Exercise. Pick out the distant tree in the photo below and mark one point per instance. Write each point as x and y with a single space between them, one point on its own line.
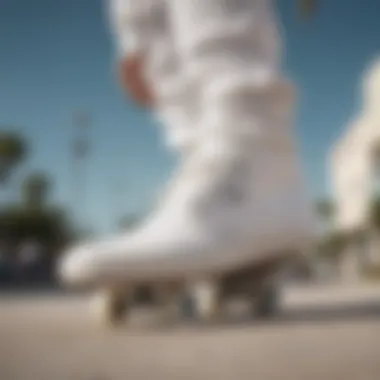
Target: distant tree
35 190
375 214
12 151
49 226
333 245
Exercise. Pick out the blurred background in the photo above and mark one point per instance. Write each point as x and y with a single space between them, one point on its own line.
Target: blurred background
79 160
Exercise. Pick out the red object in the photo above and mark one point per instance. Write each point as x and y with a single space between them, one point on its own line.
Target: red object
133 81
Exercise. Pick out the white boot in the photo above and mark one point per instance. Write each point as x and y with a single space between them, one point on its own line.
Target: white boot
239 197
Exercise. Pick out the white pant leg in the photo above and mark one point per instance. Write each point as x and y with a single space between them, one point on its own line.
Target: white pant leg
232 49
142 27
224 37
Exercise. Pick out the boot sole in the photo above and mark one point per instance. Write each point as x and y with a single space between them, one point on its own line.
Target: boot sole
201 299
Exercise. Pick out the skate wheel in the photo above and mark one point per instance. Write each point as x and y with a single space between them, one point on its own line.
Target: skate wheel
266 302
166 301
204 303
111 307
208 313
187 308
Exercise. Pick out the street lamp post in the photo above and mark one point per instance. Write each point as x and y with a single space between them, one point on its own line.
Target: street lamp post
80 150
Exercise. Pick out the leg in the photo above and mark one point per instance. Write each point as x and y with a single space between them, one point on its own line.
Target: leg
239 197
220 39
142 29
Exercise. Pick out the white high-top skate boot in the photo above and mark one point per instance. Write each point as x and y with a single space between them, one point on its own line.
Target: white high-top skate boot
239 199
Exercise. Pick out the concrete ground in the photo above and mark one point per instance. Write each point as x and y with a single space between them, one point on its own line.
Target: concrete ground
322 333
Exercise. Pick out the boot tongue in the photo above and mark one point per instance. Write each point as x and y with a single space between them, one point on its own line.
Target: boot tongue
226 140
219 150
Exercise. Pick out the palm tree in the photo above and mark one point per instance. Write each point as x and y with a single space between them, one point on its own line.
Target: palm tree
35 190
332 242
333 245
12 152
374 223
375 214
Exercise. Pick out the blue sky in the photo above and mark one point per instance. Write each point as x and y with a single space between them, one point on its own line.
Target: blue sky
56 56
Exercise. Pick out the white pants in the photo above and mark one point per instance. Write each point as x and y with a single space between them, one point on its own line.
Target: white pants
200 53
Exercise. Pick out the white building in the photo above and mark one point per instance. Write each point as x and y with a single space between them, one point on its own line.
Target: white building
355 159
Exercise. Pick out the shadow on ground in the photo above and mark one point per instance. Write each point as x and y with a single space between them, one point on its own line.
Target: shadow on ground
314 315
